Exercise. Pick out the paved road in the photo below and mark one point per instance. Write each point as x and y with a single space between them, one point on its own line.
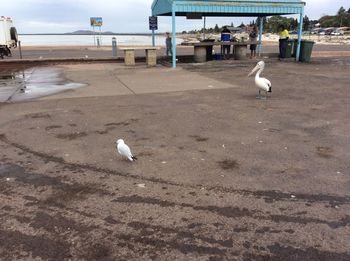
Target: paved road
220 176
106 52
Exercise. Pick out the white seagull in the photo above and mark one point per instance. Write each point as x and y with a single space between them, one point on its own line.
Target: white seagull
262 83
124 150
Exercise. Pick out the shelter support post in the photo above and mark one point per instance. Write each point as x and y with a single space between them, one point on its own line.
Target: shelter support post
261 28
204 28
299 35
153 39
174 35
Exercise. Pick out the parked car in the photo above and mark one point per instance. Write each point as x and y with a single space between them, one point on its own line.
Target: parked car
338 32
328 32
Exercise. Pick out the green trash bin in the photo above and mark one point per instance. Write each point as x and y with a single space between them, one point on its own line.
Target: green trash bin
306 50
295 45
289 48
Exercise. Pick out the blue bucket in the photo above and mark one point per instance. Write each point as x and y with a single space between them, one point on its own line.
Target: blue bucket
218 56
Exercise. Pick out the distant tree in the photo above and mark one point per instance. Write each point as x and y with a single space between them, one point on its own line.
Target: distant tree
184 32
274 22
341 10
216 29
340 16
264 21
341 19
242 25
306 23
313 23
266 25
328 21
348 11
294 24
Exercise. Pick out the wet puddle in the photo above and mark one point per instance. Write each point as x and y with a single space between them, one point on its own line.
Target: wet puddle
34 83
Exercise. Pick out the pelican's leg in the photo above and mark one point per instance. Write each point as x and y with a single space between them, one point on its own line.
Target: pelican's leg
264 97
259 95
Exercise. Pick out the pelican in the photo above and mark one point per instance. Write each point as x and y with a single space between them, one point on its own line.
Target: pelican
262 83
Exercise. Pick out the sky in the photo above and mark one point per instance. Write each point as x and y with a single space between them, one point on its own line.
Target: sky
120 16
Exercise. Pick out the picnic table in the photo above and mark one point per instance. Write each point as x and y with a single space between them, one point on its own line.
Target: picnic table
203 50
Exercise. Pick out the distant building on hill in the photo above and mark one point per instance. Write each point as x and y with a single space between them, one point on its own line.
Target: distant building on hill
235 30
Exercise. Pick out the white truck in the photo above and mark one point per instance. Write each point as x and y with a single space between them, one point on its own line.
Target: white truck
8 36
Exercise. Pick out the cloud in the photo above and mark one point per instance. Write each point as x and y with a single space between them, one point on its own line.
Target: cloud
38 16
317 8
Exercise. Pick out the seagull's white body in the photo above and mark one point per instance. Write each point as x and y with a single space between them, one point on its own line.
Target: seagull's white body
262 83
124 150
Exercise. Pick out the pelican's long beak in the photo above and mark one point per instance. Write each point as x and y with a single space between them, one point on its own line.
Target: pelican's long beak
254 70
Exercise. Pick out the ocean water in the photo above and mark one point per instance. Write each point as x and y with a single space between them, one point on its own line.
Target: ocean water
88 40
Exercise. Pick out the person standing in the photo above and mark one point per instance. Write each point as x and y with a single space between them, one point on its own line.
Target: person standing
226 38
168 45
253 37
284 36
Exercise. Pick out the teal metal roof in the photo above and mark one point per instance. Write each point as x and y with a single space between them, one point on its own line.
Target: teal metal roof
227 7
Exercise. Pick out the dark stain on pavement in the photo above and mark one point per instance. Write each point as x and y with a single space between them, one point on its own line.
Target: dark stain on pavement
236 212
264 194
19 174
51 127
275 195
97 251
5 189
38 116
199 138
72 192
71 136
62 194
160 245
228 164
288 253
180 234
240 229
111 220
57 223
38 245
324 152
122 123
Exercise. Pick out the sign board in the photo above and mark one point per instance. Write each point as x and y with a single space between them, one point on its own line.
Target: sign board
96 21
153 23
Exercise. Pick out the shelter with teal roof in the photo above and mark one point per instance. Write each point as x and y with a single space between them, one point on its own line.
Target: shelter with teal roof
228 8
